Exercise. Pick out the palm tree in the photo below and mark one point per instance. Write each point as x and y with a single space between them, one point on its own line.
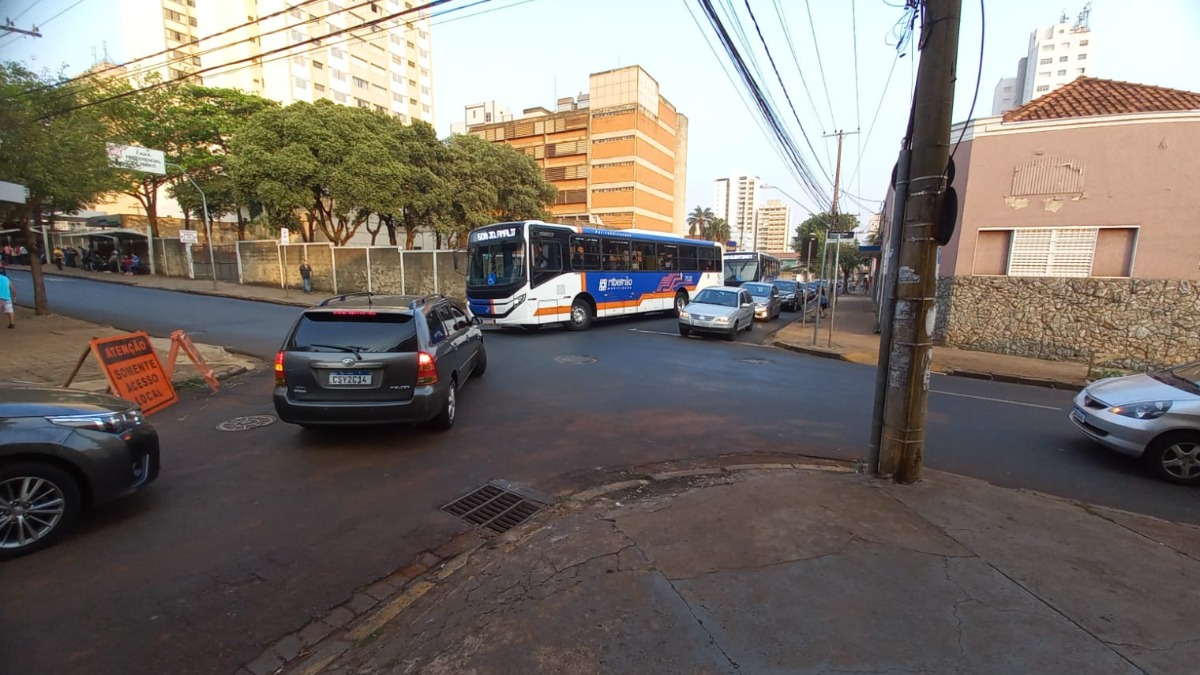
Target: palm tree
699 219
717 230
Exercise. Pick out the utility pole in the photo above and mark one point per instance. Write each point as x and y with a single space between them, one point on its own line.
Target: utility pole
837 251
902 442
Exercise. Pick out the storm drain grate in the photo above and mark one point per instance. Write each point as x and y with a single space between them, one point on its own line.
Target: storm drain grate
246 423
493 507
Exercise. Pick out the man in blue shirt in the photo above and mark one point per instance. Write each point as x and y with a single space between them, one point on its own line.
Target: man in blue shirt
7 296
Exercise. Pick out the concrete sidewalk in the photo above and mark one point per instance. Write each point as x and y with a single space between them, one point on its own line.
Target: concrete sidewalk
45 349
854 340
777 569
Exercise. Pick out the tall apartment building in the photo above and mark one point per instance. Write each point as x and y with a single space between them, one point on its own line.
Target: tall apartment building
772 225
736 199
1057 55
386 66
617 154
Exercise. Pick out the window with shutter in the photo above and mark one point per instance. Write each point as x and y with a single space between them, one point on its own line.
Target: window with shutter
1052 252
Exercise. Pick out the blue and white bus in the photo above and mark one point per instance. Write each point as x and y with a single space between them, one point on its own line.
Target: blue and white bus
531 273
750 266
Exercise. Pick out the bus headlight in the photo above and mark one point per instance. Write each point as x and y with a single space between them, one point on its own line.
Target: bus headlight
519 299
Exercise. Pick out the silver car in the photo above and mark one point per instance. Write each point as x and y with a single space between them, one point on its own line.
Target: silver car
1155 416
719 309
767 301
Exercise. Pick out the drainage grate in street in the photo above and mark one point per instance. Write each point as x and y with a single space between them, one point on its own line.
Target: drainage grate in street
246 423
575 360
493 507
757 362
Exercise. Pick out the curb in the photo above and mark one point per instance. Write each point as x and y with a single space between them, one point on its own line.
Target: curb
1046 383
192 291
356 622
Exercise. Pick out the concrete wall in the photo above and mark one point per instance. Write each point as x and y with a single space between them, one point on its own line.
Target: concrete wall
260 262
1132 172
1128 323
170 258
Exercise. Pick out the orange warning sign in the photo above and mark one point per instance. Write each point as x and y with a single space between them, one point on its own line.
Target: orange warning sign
134 371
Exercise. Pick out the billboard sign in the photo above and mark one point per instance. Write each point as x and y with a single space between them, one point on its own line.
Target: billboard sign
136 158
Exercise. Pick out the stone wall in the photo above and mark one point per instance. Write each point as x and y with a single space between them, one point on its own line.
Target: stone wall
1136 324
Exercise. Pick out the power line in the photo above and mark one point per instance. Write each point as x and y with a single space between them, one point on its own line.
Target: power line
781 85
875 117
43 23
857 110
975 96
258 57
817 48
31 6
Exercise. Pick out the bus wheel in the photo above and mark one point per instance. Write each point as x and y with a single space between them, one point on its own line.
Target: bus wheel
581 315
681 301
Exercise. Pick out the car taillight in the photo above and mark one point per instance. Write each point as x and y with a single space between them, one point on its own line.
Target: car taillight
426 369
280 378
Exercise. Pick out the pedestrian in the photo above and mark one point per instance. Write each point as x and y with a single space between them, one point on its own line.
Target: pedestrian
306 276
22 255
58 257
824 301
8 295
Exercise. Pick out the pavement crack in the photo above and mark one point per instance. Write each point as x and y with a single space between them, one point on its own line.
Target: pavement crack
1093 511
839 551
711 638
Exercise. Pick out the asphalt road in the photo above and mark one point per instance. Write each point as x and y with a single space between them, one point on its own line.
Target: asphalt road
246 535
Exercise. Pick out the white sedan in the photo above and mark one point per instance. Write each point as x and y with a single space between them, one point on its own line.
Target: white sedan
722 310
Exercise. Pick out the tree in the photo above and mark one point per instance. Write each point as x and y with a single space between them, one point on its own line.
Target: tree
56 152
849 258
817 225
699 219
716 230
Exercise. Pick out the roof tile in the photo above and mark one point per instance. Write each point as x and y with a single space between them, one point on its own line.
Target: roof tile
1090 96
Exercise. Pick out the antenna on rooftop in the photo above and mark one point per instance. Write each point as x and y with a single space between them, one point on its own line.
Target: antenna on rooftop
1082 21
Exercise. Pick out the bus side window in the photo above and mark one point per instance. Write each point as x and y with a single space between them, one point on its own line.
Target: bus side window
644 257
687 259
668 256
585 253
616 255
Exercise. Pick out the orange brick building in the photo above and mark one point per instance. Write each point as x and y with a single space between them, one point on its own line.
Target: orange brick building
617 154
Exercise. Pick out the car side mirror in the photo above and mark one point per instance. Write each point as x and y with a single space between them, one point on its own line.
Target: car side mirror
747 304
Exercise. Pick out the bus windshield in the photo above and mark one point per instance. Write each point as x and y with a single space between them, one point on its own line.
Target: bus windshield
498 263
737 271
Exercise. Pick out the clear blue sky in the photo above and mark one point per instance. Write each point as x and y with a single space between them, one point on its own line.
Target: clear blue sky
529 51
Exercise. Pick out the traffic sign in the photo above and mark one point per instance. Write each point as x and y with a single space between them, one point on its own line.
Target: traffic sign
134 372
189 237
136 158
840 236
285 236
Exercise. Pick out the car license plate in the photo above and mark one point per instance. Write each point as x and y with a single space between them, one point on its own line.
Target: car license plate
1077 415
349 377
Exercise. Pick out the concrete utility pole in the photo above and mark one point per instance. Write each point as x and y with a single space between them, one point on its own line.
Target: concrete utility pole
833 222
902 443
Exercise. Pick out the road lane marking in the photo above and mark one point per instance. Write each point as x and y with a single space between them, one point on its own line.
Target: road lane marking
655 332
996 400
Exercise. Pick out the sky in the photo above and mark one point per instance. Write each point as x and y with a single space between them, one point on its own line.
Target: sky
526 53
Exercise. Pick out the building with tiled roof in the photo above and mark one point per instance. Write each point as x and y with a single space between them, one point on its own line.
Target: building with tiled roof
1078 227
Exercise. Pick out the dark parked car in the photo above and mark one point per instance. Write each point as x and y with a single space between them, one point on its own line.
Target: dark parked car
62 450
790 294
373 359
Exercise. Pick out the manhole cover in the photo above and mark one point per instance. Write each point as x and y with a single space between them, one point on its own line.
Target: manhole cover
493 507
575 360
757 362
245 423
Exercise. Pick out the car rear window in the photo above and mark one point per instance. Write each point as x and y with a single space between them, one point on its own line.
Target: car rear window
352 330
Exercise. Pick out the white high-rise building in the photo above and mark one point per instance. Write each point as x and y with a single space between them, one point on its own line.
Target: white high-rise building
486 112
736 200
307 52
771 233
1057 55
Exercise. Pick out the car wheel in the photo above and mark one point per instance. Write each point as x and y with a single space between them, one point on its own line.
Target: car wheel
750 325
480 362
38 503
445 418
581 315
684 330
681 301
1175 457
732 332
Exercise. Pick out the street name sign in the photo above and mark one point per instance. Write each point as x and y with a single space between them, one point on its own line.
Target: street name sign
840 236
189 237
136 158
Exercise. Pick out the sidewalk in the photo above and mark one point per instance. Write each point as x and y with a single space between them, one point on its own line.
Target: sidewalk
45 349
854 340
775 569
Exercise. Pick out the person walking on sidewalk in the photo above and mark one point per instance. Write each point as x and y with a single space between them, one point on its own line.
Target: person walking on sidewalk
306 276
8 295
57 255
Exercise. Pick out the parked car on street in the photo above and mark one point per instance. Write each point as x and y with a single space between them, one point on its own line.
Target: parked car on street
1154 416
723 310
372 359
767 304
790 294
64 450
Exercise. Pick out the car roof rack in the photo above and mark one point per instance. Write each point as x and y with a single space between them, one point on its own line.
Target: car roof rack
425 300
344 296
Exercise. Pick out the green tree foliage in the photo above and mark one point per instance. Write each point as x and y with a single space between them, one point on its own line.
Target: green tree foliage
58 158
716 230
698 220
817 225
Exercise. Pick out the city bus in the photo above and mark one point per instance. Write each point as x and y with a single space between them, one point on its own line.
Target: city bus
531 273
750 266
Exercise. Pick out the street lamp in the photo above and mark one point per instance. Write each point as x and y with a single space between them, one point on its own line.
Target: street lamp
212 261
